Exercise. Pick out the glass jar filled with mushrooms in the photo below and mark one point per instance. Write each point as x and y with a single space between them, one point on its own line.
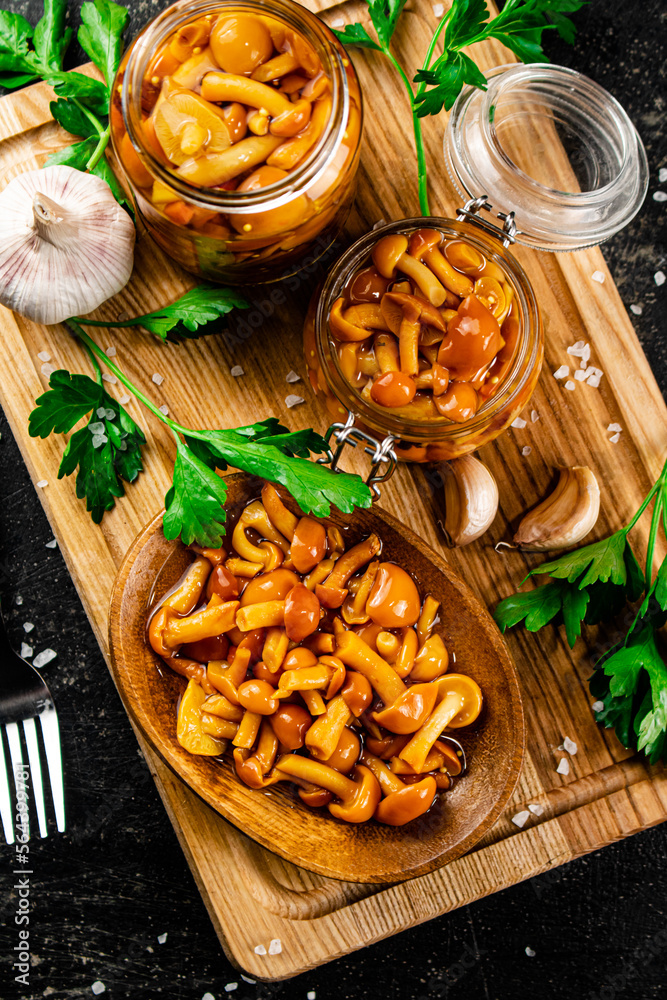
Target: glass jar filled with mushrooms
238 126
426 330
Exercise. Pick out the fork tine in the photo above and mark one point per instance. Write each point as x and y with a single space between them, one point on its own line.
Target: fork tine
5 798
36 773
16 755
51 734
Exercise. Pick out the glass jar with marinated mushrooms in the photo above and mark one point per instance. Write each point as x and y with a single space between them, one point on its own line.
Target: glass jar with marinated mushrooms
237 126
426 330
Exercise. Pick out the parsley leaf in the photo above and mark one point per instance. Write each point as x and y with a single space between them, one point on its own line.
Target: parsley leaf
624 668
51 37
384 15
15 36
603 560
72 118
195 503
448 77
195 314
76 156
535 608
100 35
84 88
105 451
356 34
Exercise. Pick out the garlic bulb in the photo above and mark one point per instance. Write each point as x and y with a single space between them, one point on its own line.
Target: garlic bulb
66 245
565 516
471 499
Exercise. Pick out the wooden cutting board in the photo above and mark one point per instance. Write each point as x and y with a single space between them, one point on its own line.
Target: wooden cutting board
609 793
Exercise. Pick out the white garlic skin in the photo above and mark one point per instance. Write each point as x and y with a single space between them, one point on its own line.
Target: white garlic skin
66 245
564 517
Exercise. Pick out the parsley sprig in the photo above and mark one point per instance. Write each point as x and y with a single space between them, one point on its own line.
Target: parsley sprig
82 103
440 80
592 585
106 451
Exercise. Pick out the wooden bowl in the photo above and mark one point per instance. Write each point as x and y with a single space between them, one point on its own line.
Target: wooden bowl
277 818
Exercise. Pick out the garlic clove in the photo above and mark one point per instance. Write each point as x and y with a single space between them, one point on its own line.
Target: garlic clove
564 517
471 499
66 245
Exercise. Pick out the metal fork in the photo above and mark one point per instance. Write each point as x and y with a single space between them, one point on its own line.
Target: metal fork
25 697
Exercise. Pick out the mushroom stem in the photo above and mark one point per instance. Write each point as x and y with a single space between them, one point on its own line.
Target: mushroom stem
388 781
416 752
318 774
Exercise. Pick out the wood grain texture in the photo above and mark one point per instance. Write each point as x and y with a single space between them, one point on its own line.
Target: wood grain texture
368 852
608 794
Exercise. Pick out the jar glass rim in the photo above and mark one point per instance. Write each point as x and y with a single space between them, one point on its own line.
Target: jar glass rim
319 157
381 419
605 148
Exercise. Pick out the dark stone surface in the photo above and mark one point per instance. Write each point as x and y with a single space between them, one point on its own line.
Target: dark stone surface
103 892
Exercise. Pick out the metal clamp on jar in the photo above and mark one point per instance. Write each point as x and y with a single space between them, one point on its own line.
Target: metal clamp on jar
428 330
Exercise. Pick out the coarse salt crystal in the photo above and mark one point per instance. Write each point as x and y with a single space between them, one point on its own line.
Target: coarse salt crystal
563 767
293 400
26 650
570 746
236 371
662 174
636 309
534 416
157 378
28 626
111 352
580 375
53 544
597 276
230 987
275 947
615 438
536 808
122 317
585 356
260 949
520 818
162 938
292 377
44 657
247 979
562 372
570 385
530 952
98 987
100 411
164 409
41 483
99 440
659 278
47 370
526 451
660 196
208 996
576 349
379 224
614 427
311 994
438 9
124 399
598 706
338 22
594 380
110 378
519 423
44 356
18 599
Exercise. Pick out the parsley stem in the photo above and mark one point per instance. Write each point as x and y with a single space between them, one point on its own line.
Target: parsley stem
95 363
99 149
93 119
419 139
658 485
653 534
95 349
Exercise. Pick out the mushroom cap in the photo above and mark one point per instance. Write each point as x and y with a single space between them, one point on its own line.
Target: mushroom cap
410 710
387 253
394 600
397 306
424 240
363 802
466 688
408 803
90 254
342 327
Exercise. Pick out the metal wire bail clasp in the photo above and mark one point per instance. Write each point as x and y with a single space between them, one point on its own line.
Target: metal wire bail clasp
470 213
382 452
